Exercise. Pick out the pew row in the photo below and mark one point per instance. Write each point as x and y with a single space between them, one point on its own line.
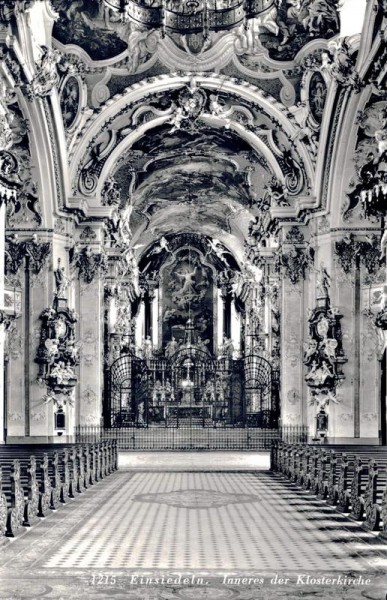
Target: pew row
37 479
351 478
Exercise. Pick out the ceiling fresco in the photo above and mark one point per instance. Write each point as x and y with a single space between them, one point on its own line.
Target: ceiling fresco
206 181
206 140
83 23
107 28
210 158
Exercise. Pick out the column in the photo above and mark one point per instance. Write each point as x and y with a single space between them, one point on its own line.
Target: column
38 297
91 321
235 329
140 325
2 327
155 319
227 315
220 324
292 322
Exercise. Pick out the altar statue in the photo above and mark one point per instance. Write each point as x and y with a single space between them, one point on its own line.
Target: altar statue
147 348
228 348
156 394
210 392
202 345
169 393
219 391
171 347
140 413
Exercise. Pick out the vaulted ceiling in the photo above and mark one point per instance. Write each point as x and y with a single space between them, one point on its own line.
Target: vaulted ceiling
192 157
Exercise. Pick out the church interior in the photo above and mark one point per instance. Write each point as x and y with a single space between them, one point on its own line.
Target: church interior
193 299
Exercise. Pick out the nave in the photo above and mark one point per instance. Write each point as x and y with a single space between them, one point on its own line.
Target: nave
212 527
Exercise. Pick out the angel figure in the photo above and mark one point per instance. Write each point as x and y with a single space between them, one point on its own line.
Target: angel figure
58 372
123 223
49 397
219 110
178 119
52 347
188 279
310 349
339 63
275 193
329 346
328 396
163 245
215 246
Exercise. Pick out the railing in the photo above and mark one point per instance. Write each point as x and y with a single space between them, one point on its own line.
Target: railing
236 438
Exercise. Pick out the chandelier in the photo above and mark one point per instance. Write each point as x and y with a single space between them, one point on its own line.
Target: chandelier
189 16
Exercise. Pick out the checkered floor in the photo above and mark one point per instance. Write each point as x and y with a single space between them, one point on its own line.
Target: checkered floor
232 521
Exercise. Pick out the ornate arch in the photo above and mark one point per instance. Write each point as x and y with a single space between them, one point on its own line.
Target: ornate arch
144 90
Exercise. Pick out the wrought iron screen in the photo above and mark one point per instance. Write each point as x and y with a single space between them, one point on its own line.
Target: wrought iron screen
190 389
258 397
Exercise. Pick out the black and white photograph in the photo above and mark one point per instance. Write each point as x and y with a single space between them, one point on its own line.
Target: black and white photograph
193 299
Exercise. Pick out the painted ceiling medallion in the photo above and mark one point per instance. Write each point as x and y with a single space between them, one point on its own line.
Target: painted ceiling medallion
197 498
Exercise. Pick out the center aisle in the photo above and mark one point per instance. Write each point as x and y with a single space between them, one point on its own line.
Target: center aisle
212 525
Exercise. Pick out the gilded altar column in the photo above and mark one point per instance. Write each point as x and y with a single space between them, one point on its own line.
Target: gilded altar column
235 329
155 318
220 320
140 325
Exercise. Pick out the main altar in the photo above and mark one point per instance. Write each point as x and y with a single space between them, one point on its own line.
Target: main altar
178 350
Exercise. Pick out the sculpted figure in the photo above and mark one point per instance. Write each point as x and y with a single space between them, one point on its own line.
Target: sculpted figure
171 347
61 280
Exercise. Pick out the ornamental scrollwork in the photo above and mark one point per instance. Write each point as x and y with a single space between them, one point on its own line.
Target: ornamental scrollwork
89 264
14 254
37 254
294 256
58 352
88 235
340 64
110 194
46 77
348 249
381 319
